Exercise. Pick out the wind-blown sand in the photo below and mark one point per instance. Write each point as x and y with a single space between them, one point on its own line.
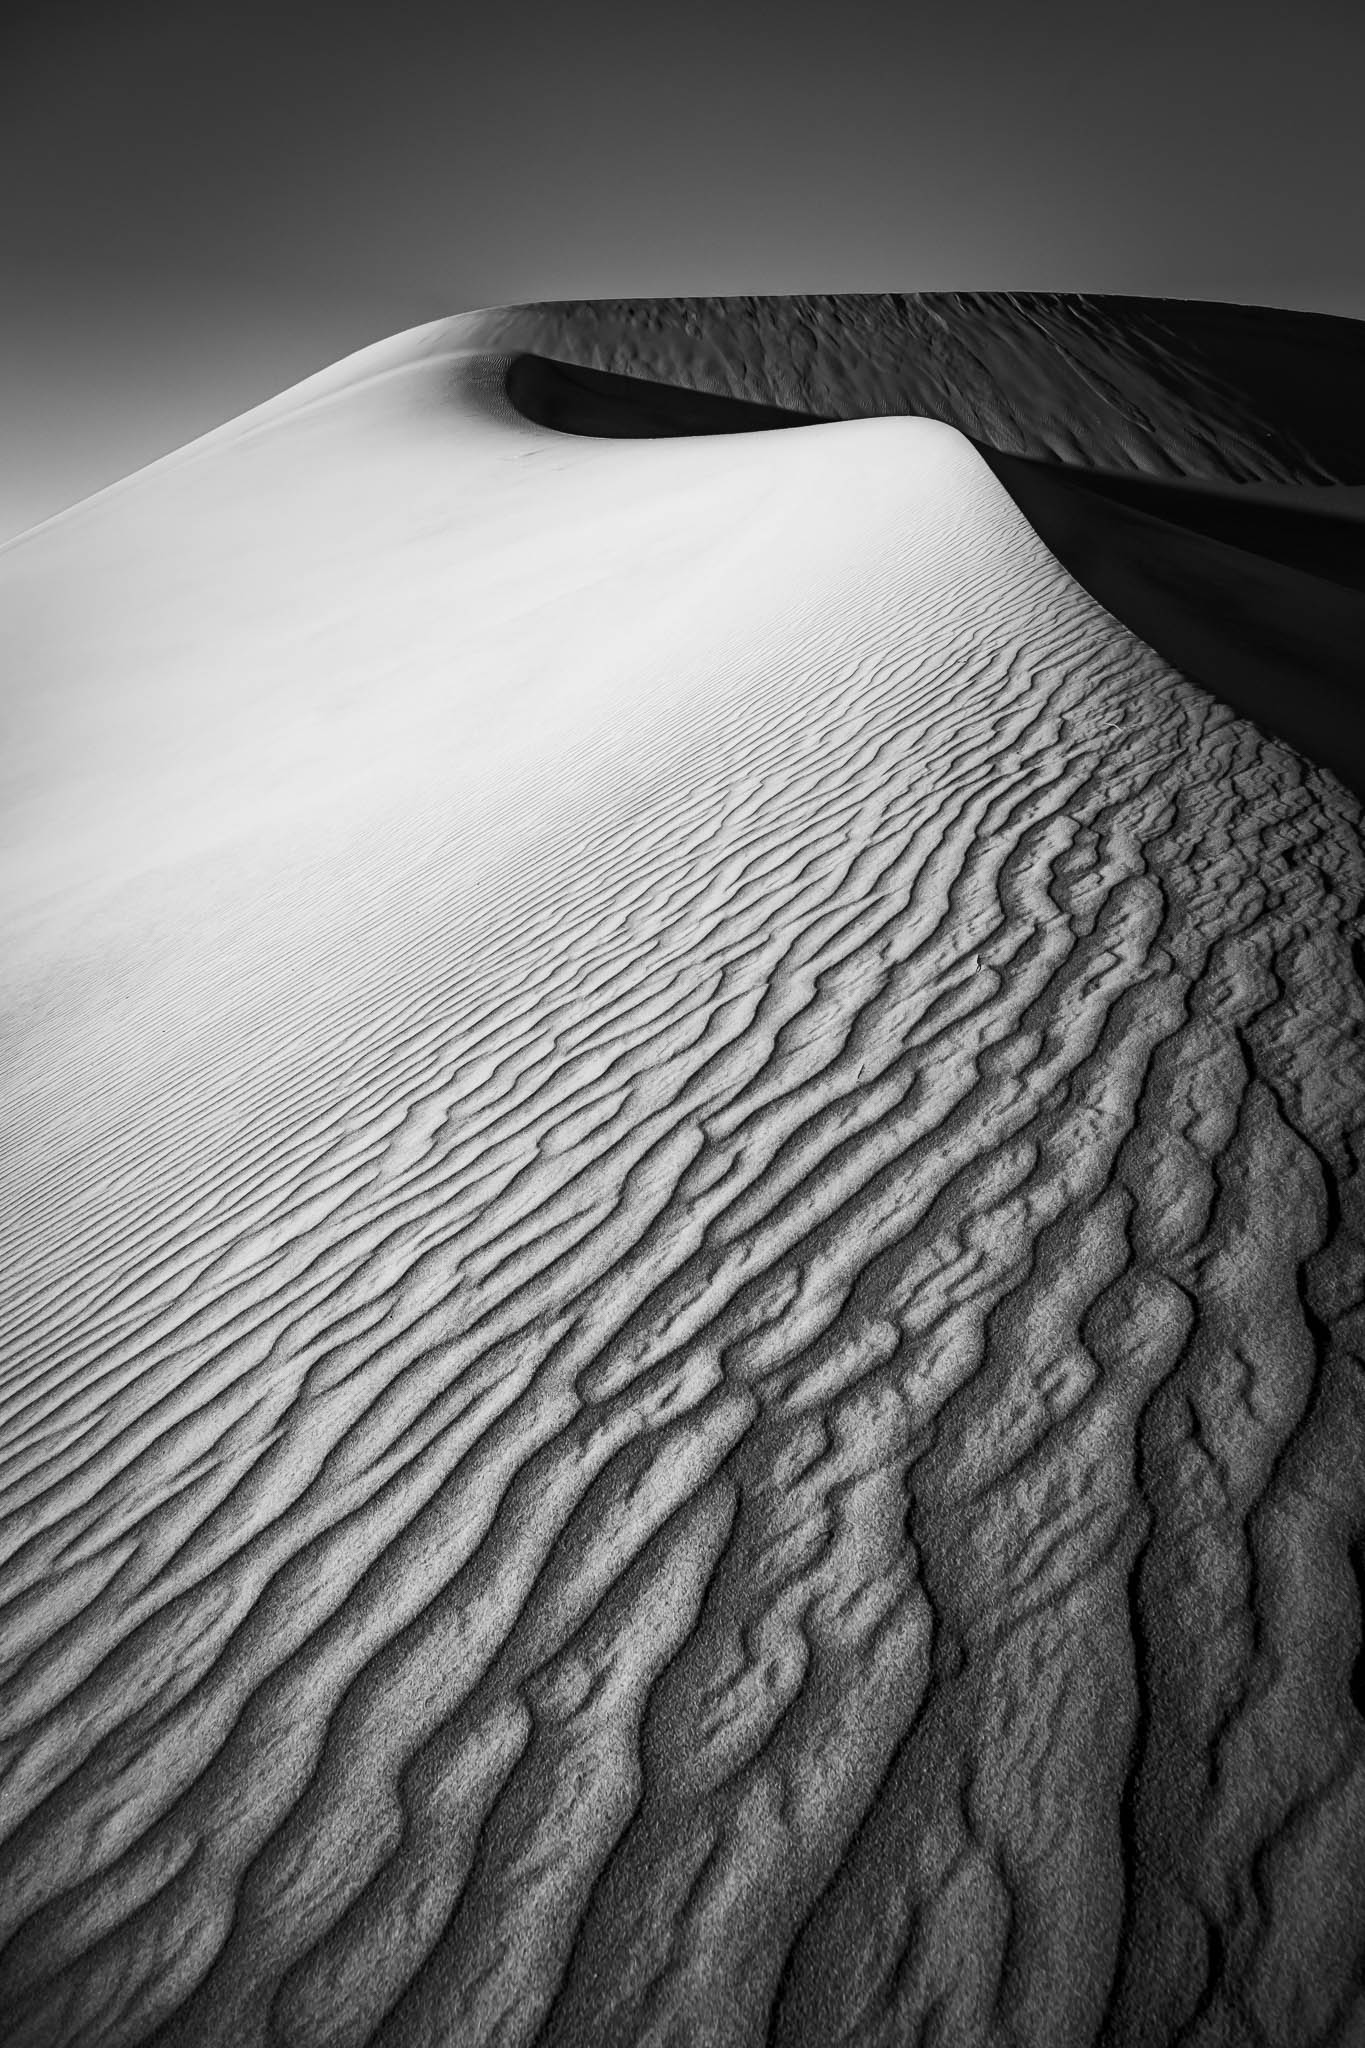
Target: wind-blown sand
681 1282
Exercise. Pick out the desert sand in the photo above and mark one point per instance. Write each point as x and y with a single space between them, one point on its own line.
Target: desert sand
682 1249
1199 469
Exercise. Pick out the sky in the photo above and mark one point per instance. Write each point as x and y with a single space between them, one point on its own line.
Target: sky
207 202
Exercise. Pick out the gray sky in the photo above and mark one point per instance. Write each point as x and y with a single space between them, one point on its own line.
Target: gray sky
208 202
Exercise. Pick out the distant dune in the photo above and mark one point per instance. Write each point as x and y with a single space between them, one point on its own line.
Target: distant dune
1168 387
683 1253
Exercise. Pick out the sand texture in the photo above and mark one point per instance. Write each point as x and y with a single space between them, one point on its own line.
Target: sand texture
683 1249
1150 444
1159 387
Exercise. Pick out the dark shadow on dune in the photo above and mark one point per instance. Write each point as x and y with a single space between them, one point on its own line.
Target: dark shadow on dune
1303 371
1252 622
1319 528
1255 593
600 403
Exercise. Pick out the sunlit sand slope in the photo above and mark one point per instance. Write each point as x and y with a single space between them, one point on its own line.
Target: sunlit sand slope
1178 458
682 1269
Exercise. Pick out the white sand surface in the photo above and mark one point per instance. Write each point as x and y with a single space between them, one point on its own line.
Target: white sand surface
679 1261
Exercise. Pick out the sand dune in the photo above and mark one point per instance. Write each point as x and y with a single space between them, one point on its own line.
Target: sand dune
681 1284
1163 387
1225 579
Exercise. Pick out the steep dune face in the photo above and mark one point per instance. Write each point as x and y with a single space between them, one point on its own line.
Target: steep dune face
1190 465
682 1339
1162 387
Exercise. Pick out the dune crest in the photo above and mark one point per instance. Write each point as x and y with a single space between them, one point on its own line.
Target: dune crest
1162 387
681 1346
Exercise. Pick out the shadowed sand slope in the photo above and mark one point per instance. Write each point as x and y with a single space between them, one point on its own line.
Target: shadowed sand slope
1168 387
1255 592
1263 603
682 1283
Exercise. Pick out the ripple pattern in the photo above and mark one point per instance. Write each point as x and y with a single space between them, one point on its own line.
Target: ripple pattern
778 1453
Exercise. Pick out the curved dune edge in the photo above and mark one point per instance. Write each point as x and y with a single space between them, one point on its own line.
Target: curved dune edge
681 1343
1260 599
1166 388
1278 642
